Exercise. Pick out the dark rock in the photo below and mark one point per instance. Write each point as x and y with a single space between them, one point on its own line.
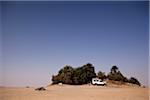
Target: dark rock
40 89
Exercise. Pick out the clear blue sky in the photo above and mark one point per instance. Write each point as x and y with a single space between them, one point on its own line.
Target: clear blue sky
39 38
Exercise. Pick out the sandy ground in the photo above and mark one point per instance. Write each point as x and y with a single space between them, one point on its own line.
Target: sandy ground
66 92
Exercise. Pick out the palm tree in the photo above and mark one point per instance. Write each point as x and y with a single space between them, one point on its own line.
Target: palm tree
114 69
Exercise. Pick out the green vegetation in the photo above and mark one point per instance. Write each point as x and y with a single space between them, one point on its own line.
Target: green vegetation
134 81
115 74
85 73
101 75
80 75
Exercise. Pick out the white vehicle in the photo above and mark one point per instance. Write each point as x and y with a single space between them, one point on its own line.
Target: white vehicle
97 81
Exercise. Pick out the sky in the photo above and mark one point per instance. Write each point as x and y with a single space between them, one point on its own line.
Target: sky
40 38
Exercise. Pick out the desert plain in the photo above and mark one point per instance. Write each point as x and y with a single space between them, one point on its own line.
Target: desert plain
69 92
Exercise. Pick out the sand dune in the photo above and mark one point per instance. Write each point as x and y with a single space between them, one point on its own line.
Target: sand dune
67 92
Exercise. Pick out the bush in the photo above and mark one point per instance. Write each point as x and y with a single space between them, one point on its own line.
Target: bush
65 76
134 81
101 75
56 79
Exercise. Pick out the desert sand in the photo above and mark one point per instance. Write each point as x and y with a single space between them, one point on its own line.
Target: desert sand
67 92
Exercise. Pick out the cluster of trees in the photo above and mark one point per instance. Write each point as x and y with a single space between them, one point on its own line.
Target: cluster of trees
116 75
85 73
77 76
